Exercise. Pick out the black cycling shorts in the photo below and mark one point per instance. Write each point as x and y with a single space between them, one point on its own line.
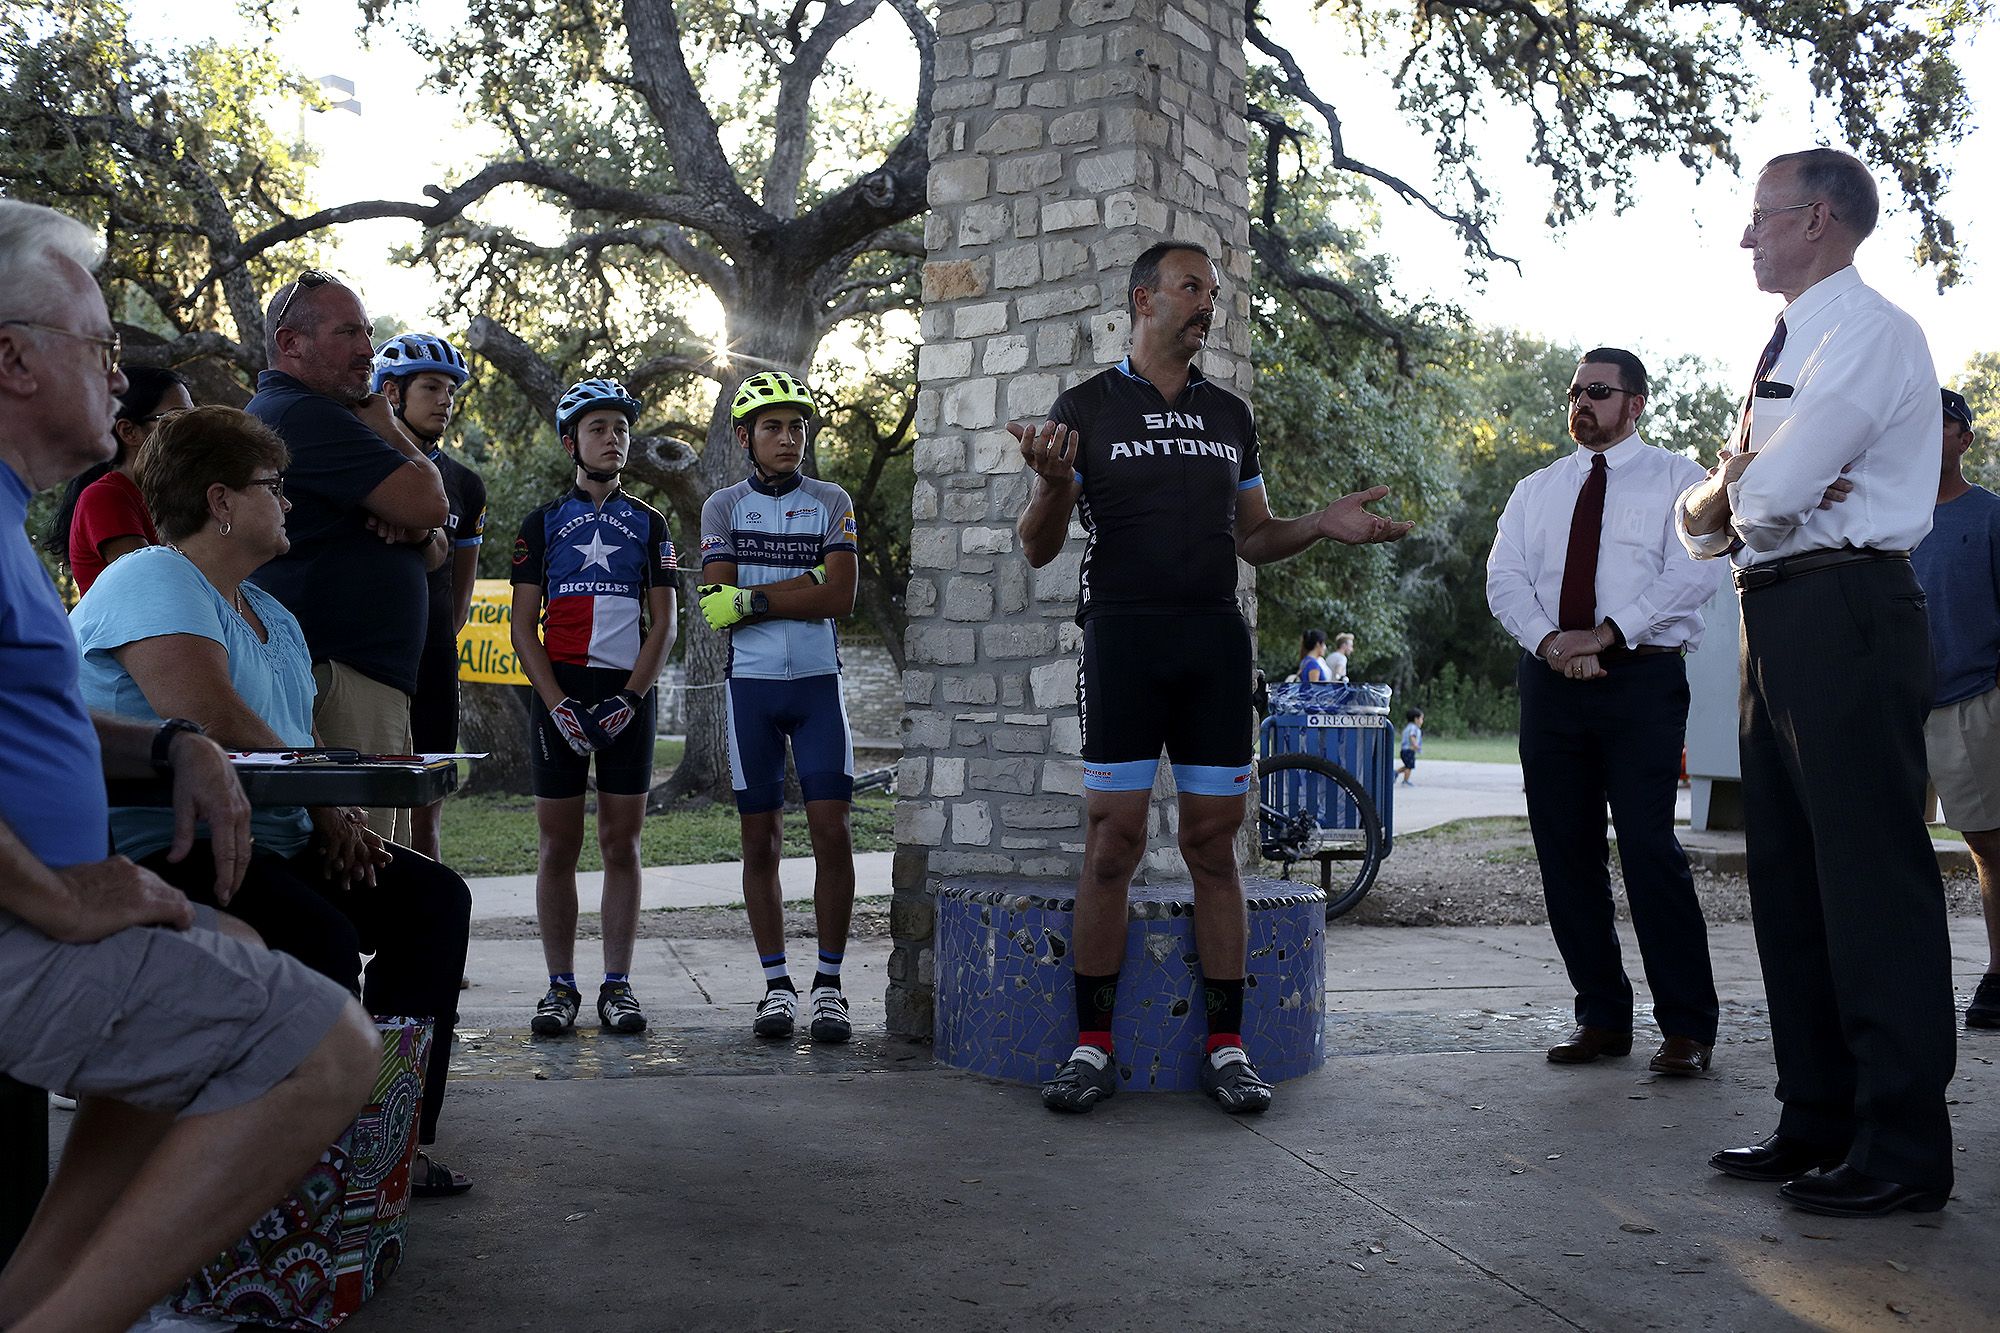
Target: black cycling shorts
1182 682
434 707
624 769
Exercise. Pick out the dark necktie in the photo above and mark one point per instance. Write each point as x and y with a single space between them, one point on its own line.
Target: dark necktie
1578 608
1764 364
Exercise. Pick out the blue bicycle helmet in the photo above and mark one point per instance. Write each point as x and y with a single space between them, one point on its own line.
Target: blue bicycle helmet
415 353
589 395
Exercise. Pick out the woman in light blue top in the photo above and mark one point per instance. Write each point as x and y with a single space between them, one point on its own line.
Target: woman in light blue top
177 630
1313 669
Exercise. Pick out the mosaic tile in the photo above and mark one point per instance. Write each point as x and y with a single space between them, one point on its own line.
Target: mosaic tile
1006 994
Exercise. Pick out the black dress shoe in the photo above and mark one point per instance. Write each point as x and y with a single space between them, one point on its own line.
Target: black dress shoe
1777 1158
1588 1043
1845 1192
1683 1057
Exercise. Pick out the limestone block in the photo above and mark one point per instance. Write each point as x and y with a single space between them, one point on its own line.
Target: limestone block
959 181
1083 13
1041 813
1054 684
1124 82
1064 301
912 917
1200 171
1181 26
967 18
920 597
1010 641
965 507
1015 775
1064 214
1003 355
1062 258
997 453
920 823
1074 126
1066 735
923 729
969 863
944 361
1008 11
1011 134
1079 52
1110 337
1013 843
939 453
923 501
1043 867
1015 174
1007 97
1049 93
976 689
954 279
986 65
1028 60
1031 396
968 599
1018 740
1044 15
918 687
933 323
1069 637
1026 719
1010 689
998 37
1230 55
930 548
948 777
1062 776
1059 580
976 321
1055 344
1013 587
1118 251
1100 172
937 226
940 144
942 645
1191 226
971 403
910 773
981 223
1010 493
986 541
954 61
1211 146
1017 266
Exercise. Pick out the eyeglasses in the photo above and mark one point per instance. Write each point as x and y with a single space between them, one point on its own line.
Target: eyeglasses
1597 392
276 485
311 280
1759 215
108 349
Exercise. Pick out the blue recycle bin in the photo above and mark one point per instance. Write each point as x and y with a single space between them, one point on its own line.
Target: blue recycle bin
1348 725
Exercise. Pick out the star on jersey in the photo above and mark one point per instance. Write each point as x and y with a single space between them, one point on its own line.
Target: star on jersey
597 553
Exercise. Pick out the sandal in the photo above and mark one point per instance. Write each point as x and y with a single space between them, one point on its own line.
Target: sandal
431 1180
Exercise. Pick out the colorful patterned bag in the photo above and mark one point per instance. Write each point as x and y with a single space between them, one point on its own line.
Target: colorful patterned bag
333 1241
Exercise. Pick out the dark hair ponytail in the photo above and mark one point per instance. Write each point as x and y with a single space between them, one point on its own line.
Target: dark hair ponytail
145 386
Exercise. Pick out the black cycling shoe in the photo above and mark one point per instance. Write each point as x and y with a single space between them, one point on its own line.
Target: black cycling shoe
1984 1011
1228 1076
1084 1080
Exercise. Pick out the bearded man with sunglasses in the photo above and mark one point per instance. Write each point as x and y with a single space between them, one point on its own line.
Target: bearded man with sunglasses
368 521
1588 574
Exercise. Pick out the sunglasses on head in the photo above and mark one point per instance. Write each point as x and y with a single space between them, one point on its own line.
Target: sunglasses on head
310 280
1597 392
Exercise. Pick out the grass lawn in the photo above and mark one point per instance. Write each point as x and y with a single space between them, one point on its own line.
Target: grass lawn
1478 749
495 835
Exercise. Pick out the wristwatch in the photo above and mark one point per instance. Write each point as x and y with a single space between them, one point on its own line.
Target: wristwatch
759 603
163 742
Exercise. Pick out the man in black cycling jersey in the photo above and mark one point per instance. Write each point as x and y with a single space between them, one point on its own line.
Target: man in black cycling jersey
1161 466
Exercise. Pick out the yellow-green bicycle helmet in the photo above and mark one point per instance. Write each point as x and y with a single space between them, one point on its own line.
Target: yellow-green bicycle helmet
769 388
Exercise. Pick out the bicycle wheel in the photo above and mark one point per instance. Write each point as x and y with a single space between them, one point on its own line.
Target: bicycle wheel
1312 809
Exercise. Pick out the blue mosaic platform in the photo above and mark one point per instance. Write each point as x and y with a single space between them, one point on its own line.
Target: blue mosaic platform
1006 993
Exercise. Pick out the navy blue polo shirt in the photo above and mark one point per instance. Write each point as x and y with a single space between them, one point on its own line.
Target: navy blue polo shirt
1958 565
51 771
360 601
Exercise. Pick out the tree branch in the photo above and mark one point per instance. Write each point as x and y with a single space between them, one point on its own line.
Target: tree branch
791 128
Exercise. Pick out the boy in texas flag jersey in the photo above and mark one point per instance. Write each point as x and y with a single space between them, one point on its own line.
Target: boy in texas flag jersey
594 571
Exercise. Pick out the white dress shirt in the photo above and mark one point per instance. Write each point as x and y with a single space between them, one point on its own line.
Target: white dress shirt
1646 585
1864 393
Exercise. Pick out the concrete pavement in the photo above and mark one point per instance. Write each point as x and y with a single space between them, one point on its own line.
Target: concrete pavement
1438 1173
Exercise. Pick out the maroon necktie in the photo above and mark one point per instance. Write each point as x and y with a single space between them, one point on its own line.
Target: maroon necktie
1578 609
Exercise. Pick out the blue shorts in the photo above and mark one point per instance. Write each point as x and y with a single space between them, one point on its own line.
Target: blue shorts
761 714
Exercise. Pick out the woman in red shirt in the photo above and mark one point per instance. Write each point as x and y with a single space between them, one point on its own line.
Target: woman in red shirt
102 515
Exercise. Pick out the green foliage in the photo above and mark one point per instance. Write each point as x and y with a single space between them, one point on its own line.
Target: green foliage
1979 381
1460 706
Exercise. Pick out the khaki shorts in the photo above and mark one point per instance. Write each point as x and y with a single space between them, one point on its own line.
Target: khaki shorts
355 712
190 1021
1962 741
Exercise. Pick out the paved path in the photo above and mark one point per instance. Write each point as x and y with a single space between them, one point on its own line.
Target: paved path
1438 1173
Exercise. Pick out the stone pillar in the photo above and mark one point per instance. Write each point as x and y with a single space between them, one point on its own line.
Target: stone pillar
1068 136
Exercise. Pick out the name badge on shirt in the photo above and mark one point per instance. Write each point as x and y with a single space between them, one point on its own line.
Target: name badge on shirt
1768 411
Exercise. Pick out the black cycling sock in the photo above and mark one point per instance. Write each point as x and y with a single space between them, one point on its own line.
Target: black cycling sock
781 983
1224 997
1096 998
822 979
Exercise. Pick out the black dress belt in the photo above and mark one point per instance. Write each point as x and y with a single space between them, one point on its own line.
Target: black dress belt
1792 566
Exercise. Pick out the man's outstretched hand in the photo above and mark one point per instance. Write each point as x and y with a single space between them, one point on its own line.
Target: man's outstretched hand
1050 451
1347 520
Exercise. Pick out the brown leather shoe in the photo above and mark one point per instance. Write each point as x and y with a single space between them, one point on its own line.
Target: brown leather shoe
1587 1043
1680 1056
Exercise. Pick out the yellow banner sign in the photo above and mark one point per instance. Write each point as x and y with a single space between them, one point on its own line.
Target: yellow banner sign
486 644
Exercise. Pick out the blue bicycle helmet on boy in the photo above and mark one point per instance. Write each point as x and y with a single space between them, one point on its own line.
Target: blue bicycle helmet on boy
413 354
590 395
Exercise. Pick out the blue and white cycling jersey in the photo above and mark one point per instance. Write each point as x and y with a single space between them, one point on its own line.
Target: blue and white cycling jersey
773 534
